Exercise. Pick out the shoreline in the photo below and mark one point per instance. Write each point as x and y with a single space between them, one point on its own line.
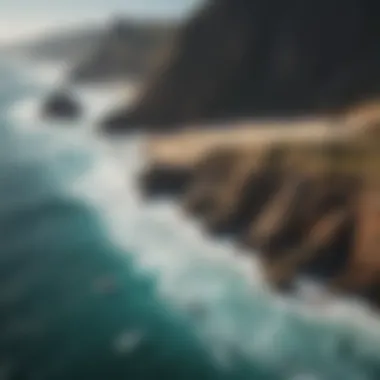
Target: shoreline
209 171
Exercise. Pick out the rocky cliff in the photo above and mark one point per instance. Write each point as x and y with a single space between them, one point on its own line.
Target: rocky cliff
309 205
242 58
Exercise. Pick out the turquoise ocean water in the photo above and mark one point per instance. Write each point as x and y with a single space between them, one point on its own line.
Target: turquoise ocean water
95 284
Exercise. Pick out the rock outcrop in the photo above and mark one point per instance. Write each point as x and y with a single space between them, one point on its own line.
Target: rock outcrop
241 58
308 203
313 219
230 186
307 226
62 105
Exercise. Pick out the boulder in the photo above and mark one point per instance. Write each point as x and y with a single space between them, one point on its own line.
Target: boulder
62 105
164 181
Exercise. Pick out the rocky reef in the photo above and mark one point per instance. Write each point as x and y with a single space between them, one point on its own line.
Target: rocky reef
307 202
248 59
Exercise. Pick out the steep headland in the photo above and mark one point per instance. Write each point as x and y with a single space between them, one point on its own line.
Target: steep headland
247 59
264 120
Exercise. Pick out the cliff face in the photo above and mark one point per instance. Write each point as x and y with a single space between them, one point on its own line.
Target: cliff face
308 226
303 217
243 58
128 49
309 206
230 186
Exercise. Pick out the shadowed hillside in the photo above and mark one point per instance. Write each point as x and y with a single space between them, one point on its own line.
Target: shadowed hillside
243 58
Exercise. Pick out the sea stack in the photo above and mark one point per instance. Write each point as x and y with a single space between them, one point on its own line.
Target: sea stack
62 105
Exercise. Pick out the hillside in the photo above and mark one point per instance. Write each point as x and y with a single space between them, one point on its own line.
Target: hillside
242 58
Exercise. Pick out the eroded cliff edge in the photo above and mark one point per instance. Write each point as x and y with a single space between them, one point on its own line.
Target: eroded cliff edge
308 202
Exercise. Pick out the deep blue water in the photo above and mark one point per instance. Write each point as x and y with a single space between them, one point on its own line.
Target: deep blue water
80 300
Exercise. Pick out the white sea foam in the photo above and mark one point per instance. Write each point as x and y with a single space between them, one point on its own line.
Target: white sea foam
95 100
220 287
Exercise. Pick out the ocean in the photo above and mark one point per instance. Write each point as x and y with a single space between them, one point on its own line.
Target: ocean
98 284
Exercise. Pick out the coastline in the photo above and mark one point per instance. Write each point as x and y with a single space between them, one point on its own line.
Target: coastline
185 164
97 99
172 158
200 273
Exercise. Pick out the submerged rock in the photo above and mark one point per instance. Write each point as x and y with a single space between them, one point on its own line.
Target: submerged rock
62 105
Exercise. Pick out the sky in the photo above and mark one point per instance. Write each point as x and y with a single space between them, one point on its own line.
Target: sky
22 19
